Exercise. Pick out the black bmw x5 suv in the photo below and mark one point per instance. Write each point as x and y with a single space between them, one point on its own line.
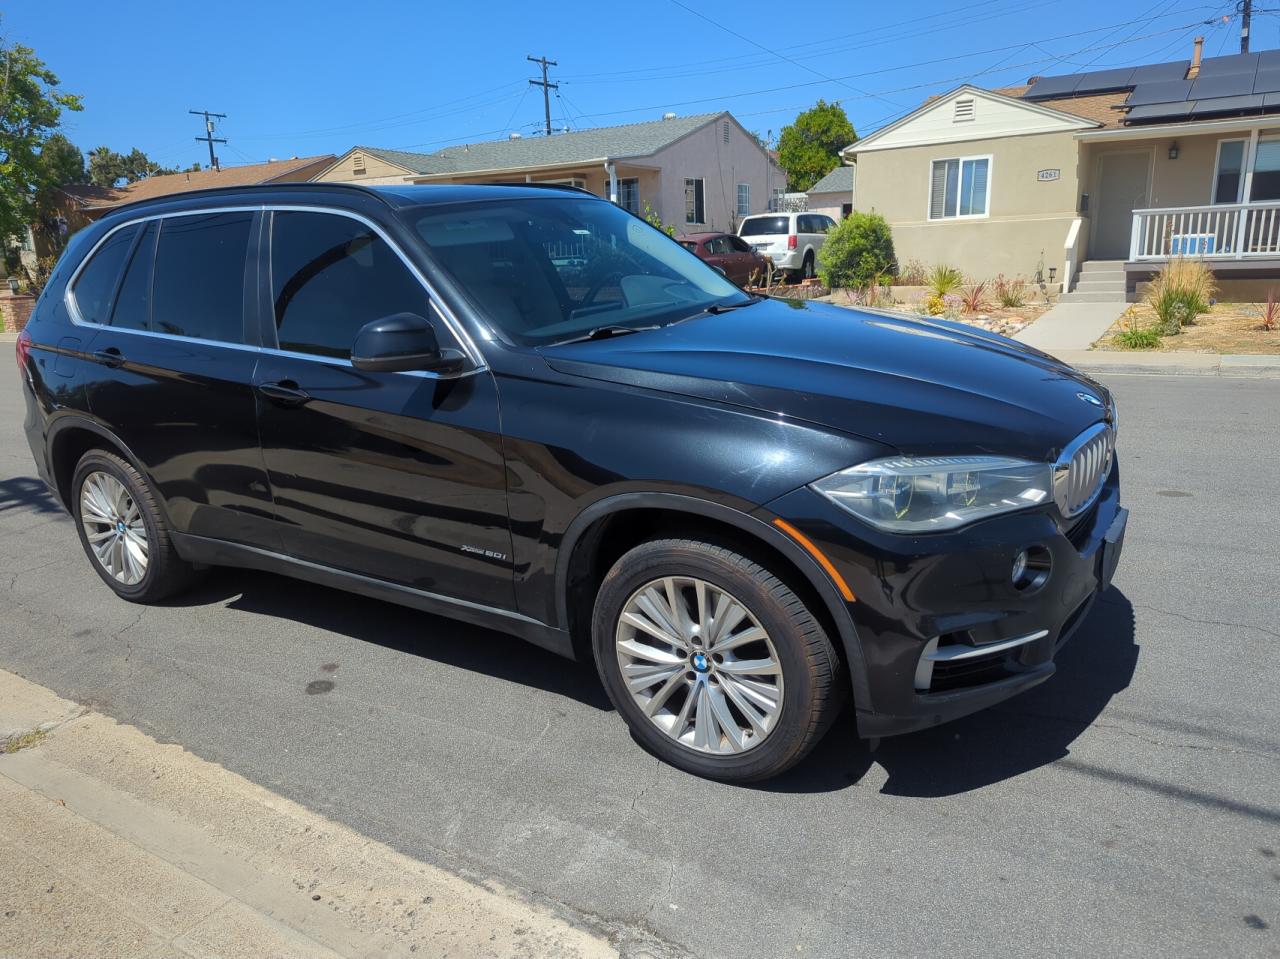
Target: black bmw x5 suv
526 408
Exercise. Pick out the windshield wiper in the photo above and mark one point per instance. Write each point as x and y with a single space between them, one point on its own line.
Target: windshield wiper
604 333
717 308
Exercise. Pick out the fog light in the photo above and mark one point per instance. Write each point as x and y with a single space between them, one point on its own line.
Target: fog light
1030 569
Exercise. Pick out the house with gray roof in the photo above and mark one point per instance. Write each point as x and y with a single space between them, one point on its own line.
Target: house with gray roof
697 173
833 194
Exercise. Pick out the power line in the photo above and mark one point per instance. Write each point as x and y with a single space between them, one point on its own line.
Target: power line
208 137
780 56
547 86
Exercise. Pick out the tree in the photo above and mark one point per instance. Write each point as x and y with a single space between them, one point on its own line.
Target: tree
810 148
60 164
30 110
857 252
107 168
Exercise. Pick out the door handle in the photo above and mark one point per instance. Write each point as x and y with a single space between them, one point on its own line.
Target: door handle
284 393
111 357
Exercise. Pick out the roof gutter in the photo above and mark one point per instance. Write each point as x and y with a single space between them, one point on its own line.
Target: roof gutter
1184 128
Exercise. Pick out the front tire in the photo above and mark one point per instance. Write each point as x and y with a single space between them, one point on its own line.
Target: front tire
718 667
123 531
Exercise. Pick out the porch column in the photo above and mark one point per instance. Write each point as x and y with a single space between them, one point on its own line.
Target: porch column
612 170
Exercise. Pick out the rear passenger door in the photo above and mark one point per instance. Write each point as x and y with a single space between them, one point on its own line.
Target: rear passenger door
173 367
396 476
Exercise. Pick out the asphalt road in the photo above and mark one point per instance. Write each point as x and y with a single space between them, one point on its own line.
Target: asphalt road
1129 807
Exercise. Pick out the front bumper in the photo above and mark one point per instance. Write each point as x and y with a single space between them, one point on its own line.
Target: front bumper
942 630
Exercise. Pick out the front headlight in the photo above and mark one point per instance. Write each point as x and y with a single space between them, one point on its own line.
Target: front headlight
930 494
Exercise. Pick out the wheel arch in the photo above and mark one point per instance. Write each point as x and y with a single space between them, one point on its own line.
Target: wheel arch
72 437
631 517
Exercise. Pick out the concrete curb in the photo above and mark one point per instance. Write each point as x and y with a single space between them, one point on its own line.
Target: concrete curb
114 844
1194 364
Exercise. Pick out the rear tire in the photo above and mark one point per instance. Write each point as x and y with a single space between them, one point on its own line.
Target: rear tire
807 271
737 701
123 531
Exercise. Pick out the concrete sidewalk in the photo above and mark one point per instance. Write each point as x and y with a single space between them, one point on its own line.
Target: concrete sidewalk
1071 326
112 844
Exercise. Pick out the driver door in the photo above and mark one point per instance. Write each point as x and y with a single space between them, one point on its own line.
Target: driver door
395 476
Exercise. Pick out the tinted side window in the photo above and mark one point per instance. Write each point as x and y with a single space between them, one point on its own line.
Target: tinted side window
97 281
737 245
198 288
133 303
330 275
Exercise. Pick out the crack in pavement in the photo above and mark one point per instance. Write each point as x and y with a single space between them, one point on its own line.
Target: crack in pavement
1191 619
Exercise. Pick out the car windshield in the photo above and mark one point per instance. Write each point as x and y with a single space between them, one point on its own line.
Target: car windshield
765 226
547 269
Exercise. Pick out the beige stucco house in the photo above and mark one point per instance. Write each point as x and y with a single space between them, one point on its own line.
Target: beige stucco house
1115 171
697 173
833 194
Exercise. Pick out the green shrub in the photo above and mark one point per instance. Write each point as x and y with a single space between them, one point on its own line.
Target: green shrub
943 279
1135 337
857 251
1180 292
1011 293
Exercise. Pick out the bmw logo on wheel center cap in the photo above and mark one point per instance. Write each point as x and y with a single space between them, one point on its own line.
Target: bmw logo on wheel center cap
700 662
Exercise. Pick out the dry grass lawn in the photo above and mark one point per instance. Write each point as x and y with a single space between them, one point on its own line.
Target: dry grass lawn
1226 328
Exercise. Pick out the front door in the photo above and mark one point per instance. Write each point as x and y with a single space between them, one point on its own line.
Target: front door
1122 188
395 476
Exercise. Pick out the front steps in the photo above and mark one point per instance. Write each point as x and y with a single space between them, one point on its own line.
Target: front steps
1101 281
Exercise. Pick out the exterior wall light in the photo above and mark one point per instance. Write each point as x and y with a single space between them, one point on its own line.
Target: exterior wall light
1173 150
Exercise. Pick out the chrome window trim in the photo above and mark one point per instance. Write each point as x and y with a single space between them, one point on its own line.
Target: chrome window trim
441 308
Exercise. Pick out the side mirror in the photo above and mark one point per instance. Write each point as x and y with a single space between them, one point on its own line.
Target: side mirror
402 342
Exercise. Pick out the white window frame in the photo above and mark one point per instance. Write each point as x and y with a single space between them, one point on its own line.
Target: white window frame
1217 160
986 206
738 199
690 214
634 182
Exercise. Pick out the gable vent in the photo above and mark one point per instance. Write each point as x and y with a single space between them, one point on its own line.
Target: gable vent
357 163
966 109
724 127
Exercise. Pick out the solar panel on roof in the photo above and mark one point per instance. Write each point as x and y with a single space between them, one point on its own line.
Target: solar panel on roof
1100 81
1165 91
1232 85
1052 87
1268 59
1160 111
1227 104
1271 100
1228 66
1267 80
1159 72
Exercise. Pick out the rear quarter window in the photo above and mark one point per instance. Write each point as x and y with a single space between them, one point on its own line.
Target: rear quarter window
96 284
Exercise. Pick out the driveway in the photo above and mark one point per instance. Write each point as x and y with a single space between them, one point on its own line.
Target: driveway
1128 807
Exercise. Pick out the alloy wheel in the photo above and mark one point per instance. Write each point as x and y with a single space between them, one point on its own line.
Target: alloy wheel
699 665
114 528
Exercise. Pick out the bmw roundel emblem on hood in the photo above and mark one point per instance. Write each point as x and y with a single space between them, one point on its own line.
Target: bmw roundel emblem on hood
1090 398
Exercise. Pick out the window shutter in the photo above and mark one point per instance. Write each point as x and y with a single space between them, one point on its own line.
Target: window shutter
938 190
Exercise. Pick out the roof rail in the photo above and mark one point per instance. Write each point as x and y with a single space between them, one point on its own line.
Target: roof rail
509 183
252 188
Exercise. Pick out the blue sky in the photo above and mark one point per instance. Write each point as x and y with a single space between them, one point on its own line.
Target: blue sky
308 78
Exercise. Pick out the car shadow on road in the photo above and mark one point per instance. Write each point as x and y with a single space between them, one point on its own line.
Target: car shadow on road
1028 731
401 629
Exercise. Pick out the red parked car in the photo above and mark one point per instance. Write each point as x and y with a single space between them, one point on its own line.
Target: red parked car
740 263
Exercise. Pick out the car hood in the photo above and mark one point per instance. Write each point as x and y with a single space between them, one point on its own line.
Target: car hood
912 383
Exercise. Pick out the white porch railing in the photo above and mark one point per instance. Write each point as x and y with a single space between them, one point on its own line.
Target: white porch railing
1226 231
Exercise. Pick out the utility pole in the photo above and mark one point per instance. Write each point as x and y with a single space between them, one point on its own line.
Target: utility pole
1245 9
546 85
208 137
